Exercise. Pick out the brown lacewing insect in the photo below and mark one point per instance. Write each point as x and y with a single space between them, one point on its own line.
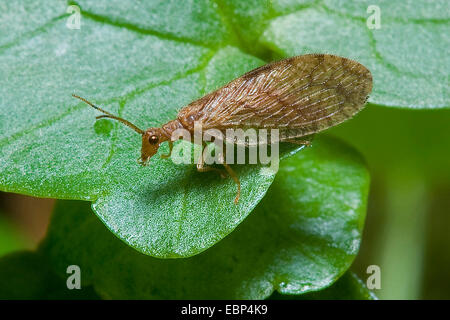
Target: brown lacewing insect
299 96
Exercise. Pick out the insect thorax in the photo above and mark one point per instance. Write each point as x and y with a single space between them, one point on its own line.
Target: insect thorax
171 126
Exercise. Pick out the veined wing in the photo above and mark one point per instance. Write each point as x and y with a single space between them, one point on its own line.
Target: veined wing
300 96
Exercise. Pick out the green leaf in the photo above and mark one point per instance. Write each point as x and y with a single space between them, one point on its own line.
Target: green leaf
16 22
348 287
197 22
50 146
26 275
302 236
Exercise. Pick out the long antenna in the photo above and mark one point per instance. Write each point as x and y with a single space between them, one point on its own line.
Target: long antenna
109 115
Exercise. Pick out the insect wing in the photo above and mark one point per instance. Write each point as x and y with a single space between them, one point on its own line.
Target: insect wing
300 96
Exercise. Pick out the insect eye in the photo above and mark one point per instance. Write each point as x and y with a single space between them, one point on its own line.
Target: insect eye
153 139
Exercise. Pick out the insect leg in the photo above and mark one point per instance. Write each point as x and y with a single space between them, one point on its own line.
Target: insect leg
233 175
166 156
236 179
201 165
